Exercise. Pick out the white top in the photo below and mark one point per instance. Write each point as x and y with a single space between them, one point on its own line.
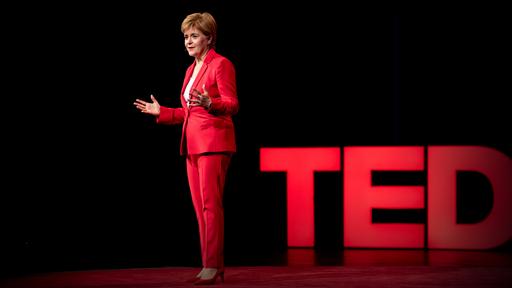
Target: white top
186 95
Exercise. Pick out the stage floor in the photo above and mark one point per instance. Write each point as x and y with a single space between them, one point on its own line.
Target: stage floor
307 268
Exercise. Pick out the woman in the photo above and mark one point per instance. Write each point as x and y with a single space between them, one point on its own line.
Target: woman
209 100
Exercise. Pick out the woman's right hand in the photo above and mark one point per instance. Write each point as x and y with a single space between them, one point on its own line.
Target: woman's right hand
152 108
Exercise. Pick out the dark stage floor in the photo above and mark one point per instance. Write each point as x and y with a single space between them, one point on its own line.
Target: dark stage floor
308 268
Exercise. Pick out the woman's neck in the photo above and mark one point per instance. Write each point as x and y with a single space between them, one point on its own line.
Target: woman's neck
200 59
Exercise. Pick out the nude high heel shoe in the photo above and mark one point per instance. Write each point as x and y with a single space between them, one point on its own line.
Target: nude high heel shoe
211 281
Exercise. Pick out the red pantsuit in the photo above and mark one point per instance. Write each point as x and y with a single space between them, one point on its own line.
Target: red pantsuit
206 176
208 141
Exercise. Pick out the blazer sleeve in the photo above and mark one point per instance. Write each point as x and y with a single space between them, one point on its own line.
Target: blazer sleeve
170 116
227 103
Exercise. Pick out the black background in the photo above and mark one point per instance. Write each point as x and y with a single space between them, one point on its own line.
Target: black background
91 183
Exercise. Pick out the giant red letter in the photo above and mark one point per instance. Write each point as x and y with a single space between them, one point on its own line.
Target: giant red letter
443 231
300 163
360 197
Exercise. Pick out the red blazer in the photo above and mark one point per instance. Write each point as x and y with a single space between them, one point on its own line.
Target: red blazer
207 130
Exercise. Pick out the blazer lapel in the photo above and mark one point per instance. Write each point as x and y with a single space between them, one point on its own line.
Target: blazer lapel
200 75
209 56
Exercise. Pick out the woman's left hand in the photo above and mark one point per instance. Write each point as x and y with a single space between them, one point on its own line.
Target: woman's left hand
200 99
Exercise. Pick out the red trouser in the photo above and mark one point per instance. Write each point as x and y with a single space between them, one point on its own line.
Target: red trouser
206 177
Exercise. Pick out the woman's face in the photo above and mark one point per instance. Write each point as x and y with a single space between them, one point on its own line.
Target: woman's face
195 42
